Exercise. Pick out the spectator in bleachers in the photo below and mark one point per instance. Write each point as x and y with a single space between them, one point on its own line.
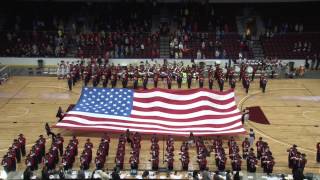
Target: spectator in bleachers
203 45
224 54
301 28
296 28
199 55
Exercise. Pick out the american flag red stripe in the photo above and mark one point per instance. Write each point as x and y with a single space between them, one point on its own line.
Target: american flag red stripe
162 111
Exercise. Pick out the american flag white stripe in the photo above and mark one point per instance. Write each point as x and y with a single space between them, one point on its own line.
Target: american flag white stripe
163 122
147 131
155 126
178 96
179 116
165 112
181 107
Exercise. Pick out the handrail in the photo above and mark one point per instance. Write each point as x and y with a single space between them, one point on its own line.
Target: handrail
67 32
150 32
3 68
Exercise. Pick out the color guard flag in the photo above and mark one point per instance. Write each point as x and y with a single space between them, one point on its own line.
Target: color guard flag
159 111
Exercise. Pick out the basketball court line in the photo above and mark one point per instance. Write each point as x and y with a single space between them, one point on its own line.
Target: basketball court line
26 85
259 92
242 101
56 87
278 141
307 117
10 98
27 110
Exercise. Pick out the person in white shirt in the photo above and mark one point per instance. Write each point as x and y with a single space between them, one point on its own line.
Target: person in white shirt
126 41
180 46
299 46
240 55
296 28
176 55
224 53
203 45
198 54
305 46
171 45
59 73
186 12
301 28
217 53
295 47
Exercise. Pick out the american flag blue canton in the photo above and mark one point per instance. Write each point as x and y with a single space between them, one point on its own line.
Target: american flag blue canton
117 102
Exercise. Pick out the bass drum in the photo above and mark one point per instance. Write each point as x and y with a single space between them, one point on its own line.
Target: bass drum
224 70
249 69
163 74
150 74
142 73
237 69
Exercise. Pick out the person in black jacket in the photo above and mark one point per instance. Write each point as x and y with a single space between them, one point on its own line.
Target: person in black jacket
27 174
115 174
49 132
60 113
70 83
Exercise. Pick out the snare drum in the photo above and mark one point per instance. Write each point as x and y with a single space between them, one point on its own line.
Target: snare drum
142 73
224 70
237 69
249 69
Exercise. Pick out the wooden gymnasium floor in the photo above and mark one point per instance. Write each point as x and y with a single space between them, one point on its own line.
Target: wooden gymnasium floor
291 105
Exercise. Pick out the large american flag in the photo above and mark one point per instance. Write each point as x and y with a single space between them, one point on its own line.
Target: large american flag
160 111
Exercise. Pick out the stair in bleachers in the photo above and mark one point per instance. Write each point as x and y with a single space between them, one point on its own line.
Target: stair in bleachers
155 23
257 49
240 24
260 26
164 47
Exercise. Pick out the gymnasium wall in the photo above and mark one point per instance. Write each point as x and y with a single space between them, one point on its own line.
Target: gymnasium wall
54 61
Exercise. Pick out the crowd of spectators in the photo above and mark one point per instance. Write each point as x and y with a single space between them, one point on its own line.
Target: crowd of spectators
118 45
204 18
83 30
292 46
196 45
33 44
198 35
302 46
282 28
291 18
196 30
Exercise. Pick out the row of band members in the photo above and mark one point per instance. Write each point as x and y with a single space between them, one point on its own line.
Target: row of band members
179 78
37 155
